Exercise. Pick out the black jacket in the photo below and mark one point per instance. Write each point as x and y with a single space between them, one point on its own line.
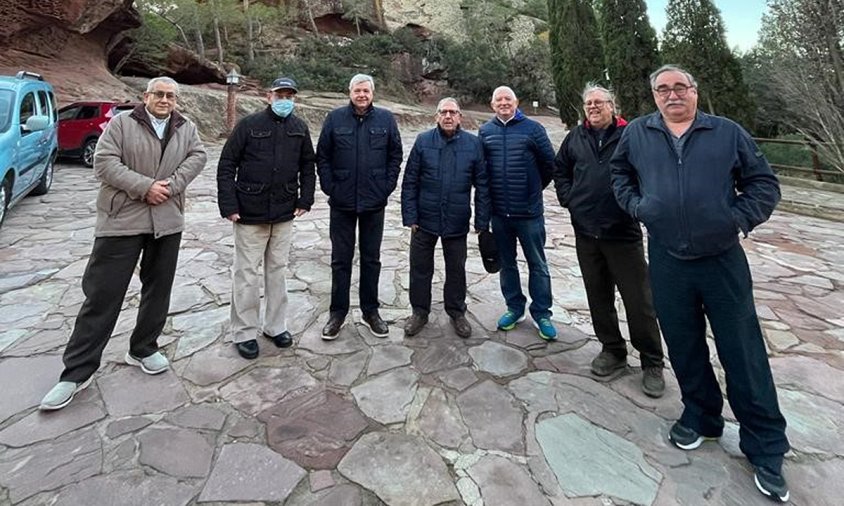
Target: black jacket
437 185
696 202
266 169
583 184
359 158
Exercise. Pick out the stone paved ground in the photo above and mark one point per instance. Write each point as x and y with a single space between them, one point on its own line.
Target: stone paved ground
497 419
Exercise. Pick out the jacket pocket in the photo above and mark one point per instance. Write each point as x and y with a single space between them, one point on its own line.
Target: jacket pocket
344 138
117 202
253 199
378 138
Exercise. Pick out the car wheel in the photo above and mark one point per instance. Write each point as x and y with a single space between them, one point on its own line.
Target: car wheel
5 196
46 179
88 152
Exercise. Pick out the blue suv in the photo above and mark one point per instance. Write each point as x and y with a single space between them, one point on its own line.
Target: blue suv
28 138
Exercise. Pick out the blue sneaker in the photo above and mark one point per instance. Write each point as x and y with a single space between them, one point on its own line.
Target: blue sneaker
509 320
546 329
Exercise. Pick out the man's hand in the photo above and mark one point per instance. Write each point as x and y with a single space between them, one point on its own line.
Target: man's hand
234 218
158 192
414 227
299 212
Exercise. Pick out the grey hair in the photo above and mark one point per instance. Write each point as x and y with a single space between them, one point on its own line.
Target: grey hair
362 78
672 68
447 99
593 87
503 88
163 79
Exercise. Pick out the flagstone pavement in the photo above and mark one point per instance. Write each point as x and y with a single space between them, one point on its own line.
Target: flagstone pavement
501 418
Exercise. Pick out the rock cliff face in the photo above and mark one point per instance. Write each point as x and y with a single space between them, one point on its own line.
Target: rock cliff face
66 41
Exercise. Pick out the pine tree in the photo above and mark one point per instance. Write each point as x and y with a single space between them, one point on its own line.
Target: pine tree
630 51
694 39
576 53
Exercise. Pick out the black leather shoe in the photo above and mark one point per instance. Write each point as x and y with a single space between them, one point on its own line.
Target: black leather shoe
283 340
462 327
332 328
415 323
376 324
248 349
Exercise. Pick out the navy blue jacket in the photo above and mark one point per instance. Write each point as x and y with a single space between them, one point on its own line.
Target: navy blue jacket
520 162
266 169
695 204
437 184
582 181
359 158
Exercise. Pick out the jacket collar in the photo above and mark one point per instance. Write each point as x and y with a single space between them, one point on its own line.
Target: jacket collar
518 117
355 112
444 137
702 121
139 114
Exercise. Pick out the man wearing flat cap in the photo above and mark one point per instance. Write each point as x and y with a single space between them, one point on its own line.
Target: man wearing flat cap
265 179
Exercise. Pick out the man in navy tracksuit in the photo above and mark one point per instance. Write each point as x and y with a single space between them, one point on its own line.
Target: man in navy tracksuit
359 156
444 164
520 162
698 181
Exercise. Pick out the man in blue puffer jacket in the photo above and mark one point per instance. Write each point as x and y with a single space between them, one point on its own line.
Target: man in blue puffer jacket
697 181
444 164
520 162
359 157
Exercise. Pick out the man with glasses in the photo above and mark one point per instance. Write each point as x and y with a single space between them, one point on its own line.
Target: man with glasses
444 164
265 179
359 156
144 161
520 162
608 241
697 181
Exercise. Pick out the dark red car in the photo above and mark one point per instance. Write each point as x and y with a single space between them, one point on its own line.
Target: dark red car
82 123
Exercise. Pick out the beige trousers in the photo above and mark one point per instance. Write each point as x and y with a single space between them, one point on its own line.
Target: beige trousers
254 245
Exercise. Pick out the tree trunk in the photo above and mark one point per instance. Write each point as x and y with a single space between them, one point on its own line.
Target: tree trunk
200 44
218 40
123 61
250 43
311 16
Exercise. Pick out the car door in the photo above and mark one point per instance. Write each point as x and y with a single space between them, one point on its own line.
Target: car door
29 145
76 124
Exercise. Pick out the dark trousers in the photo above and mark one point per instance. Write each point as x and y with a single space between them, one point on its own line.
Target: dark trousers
342 232
422 246
686 293
606 265
106 278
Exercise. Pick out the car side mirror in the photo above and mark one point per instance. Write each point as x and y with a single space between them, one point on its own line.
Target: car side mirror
36 123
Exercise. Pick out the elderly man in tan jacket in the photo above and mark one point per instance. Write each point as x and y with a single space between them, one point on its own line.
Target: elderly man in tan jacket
144 160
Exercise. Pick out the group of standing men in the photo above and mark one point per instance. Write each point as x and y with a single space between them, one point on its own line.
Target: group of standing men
694 180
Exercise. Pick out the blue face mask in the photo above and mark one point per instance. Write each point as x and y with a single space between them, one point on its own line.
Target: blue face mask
282 107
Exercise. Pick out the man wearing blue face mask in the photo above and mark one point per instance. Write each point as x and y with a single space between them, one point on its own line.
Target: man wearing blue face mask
265 179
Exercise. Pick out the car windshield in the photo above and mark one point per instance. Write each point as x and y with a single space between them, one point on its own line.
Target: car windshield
6 97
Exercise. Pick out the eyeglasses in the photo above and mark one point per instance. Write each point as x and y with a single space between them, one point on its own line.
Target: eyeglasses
449 112
679 89
164 94
595 103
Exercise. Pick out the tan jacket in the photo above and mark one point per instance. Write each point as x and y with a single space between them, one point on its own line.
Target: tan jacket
129 160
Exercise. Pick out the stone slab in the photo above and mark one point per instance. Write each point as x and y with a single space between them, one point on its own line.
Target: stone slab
251 472
493 417
400 469
498 360
33 377
127 488
504 483
40 425
176 452
440 420
214 364
314 430
198 416
386 398
606 463
128 391
263 387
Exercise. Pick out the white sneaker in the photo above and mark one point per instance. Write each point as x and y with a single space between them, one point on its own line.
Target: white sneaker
156 363
61 394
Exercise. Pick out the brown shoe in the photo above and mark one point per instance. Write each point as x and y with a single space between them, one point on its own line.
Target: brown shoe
653 384
462 326
415 323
